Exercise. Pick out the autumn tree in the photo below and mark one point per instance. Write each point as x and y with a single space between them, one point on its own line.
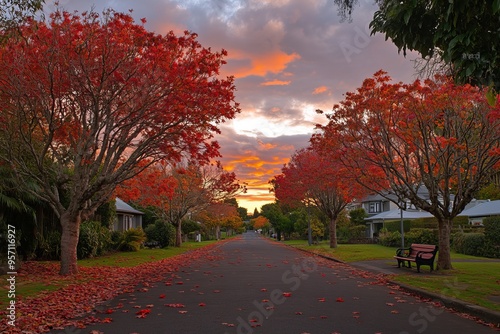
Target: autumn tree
432 143
180 190
85 99
217 215
260 222
317 179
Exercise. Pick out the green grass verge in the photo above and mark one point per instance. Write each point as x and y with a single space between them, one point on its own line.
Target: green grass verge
474 282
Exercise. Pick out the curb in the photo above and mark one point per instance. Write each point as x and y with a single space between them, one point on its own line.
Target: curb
460 306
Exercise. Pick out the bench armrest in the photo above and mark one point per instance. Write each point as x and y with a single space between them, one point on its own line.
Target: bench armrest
403 252
427 255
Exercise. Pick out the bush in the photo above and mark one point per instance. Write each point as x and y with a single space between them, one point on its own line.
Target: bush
395 226
389 239
131 240
50 247
88 243
421 236
94 240
115 237
160 232
469 243
492 236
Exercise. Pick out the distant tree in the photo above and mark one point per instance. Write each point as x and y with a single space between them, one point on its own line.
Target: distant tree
181 190
491 192
357 216
276 217
313 178
243 212
87 99
255 213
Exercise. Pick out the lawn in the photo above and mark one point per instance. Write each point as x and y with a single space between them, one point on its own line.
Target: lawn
474 282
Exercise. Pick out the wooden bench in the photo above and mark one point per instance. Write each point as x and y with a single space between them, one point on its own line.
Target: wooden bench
421 254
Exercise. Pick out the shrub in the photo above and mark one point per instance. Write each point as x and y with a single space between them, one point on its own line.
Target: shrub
88 243
160 232
469 243
395 226
389 239
50 247
492 236
131 240
94 240
115 237
421 236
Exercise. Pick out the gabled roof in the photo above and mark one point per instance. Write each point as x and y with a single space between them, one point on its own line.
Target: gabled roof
491 208
122 207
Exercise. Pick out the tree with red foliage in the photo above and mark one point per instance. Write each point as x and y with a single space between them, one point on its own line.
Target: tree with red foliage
85 99
217 215
432 143
317 179
179 190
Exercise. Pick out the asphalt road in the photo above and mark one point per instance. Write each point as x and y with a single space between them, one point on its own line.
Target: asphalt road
254 285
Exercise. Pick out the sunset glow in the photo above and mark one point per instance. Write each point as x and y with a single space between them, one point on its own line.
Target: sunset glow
289 58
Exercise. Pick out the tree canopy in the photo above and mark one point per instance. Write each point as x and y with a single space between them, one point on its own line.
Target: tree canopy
432 143
86 100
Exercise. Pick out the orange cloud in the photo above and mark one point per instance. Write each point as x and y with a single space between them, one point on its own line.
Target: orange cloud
275 83
260 65
320 90
266 146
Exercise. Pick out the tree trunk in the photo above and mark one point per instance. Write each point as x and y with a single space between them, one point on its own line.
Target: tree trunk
333 232
178 234
444 256
69 242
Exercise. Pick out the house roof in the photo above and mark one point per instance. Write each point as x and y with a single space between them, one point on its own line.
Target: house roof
491 208
396 214
122 207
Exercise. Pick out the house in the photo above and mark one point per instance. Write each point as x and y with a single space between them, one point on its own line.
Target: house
382 208
481 210
126 217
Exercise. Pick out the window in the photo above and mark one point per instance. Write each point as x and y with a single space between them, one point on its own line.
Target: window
374 207
127 222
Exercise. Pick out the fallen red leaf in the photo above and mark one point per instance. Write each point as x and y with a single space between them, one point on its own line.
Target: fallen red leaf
340 300
287 294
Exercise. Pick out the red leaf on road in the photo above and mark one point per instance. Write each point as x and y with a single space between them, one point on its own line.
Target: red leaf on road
287 294
340 300
162 295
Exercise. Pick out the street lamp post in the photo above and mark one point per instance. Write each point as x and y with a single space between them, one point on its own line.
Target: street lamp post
401 208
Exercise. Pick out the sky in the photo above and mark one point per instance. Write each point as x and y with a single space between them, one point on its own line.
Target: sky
288 57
